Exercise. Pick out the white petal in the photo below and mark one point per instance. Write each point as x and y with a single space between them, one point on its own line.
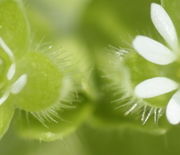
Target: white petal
6 49
19 84
155 87
4 98
11 71
173 109
153 51
164 25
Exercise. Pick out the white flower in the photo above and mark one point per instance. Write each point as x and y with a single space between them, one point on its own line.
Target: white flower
159 54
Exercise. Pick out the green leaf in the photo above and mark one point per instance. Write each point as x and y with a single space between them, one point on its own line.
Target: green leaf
6 114
14 29
56 122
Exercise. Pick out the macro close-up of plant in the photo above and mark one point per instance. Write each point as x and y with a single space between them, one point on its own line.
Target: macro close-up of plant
89 77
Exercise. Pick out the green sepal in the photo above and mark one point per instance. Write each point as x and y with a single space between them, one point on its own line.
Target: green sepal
67 116
44 83
140 69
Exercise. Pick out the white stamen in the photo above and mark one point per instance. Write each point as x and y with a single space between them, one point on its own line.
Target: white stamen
173 109
159 113
131 109
155 87
153 51
11 71
143 114
4 98
19 84
148 116
164 25
155 115
6 49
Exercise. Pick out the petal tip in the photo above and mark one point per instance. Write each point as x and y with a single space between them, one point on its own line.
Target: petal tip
154 5
173 109
164 25
155 87
153 51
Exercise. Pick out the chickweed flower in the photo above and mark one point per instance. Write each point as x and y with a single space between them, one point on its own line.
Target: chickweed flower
157 53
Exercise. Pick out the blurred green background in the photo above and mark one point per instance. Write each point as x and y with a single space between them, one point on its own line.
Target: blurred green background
92 25
91 141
